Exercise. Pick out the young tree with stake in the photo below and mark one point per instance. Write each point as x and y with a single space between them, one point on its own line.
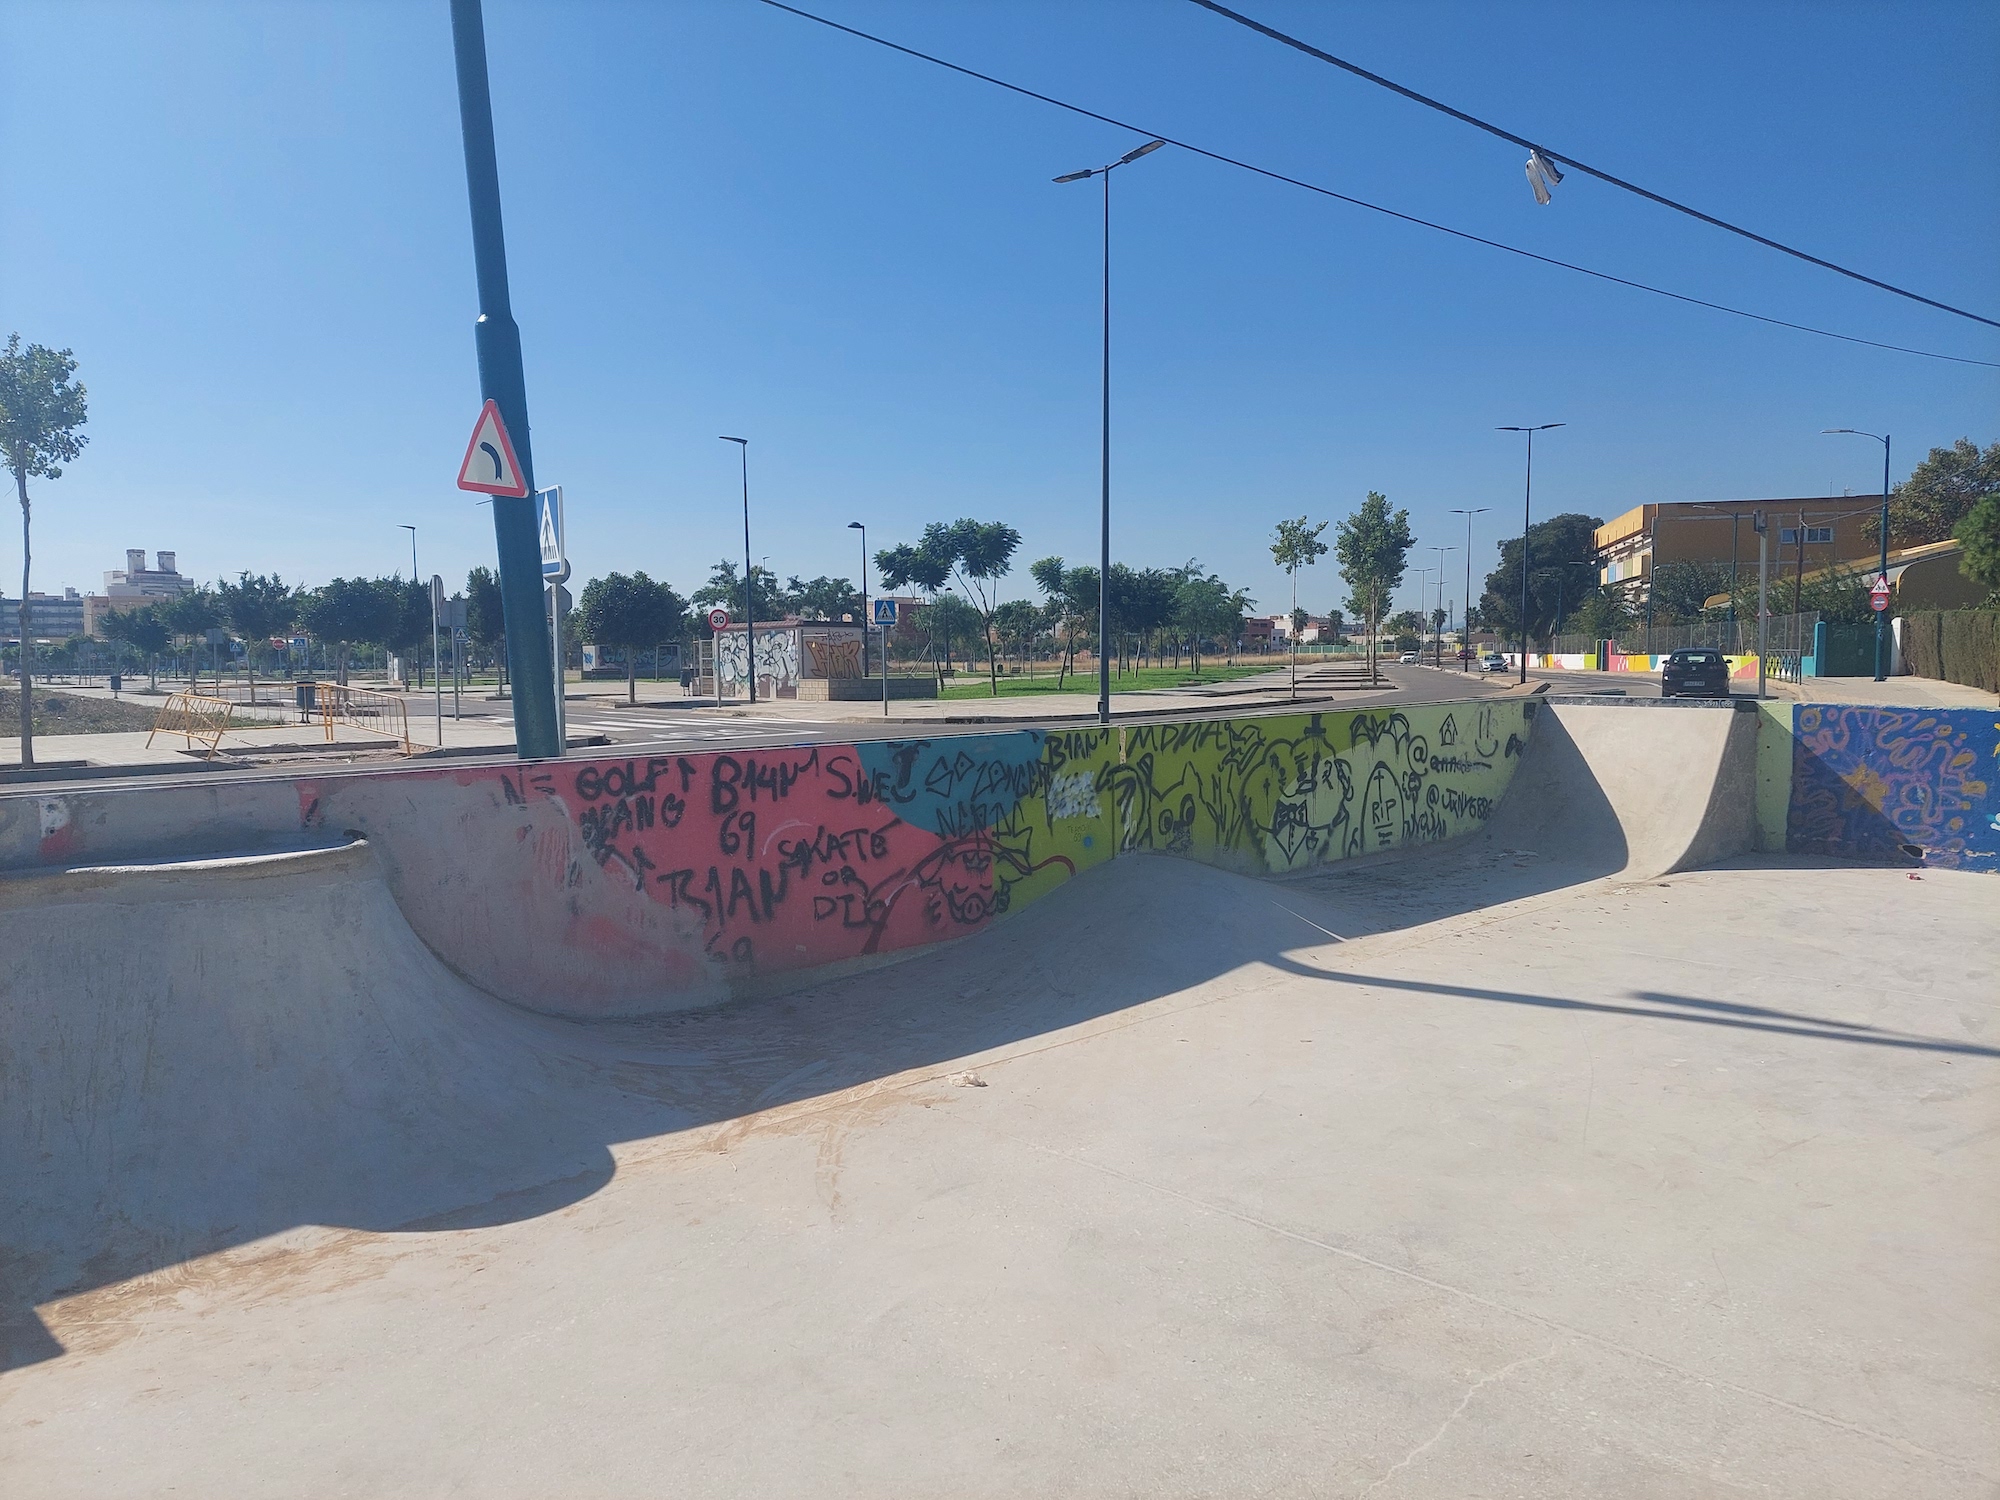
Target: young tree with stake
1297 545
41 407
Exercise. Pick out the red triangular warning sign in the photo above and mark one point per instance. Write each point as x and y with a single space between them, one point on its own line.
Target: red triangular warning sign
490 466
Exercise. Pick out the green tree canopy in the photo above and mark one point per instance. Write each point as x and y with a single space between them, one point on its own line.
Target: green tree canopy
1562 573
823 598
257 608
1681 589
41 407
144 631
1940 492
1373 548
1979 533
974 555
630 614
725 588
485 613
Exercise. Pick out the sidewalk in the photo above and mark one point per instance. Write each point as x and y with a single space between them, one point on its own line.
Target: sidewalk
1897 692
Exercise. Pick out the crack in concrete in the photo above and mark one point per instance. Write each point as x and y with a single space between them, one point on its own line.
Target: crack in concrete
1458 1411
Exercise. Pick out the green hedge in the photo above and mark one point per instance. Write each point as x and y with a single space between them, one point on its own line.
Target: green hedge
1956 645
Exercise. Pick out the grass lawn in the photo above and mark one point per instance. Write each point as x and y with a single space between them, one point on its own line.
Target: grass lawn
969 684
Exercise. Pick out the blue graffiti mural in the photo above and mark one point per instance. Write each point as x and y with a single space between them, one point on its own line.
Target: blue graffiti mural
1908 785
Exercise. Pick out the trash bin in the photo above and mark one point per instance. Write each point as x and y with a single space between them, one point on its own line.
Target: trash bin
306 693
116 682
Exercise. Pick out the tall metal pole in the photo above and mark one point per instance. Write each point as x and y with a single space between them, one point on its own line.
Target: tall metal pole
437 667
1762 528
749 577
1527 496
414 581
1104 519
502 381
1882 615
1466 644
1527 507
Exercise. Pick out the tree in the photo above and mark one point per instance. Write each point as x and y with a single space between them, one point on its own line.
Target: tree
41 407
975 555
345 613
905 566
1681 589
1206 607
1018 624
1072 602
823 599
1562 553
144 631
1602 614
1373 546
950 618
1979 534
257 608
725 588
1940 492
1295 545
486 616
629 614
191 616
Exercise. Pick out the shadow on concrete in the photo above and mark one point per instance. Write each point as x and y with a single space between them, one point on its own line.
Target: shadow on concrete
191 1075
1663 1007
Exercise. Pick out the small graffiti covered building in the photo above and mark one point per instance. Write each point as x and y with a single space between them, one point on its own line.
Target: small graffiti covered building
795 659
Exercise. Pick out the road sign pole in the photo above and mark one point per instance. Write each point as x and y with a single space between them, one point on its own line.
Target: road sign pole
502 380
437 666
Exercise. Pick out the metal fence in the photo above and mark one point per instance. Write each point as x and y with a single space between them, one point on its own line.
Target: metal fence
1792 633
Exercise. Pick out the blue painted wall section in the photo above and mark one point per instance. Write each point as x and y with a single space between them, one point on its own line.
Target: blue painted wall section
1903 785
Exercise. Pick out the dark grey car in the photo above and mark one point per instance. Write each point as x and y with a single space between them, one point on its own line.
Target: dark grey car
1696 674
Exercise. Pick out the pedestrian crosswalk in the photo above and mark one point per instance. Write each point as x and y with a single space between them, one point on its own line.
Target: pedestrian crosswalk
684 727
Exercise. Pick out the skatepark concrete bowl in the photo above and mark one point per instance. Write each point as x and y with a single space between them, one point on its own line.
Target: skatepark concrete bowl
1592 1150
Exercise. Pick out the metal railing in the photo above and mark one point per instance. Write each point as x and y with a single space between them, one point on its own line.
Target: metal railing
232 708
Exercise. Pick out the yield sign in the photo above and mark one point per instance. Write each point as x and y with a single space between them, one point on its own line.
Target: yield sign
490 466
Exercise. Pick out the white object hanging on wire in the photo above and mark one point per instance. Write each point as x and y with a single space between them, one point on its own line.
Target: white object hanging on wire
1542 176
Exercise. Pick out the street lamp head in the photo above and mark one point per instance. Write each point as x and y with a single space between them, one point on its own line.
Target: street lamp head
744 441
1140 151
856 526
1075 176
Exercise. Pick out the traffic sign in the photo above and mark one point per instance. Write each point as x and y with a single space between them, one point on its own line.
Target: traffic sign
718 619
490 466
885 611
1878 596
555 563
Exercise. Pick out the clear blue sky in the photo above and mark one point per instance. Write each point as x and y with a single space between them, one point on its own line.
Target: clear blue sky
249 222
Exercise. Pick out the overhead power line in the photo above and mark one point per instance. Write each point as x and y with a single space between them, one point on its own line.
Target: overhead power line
1583 167
1326 192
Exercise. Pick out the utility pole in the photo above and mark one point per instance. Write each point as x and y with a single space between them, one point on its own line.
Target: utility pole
503 382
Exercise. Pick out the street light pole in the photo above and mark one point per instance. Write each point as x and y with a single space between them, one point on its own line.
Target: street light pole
1437 629
1527 506
857 526
1104 520
414 577
1466 618
502 381
1881 615
749 574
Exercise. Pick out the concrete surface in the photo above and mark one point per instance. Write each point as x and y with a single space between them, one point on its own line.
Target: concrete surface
1512 1166
1603 1189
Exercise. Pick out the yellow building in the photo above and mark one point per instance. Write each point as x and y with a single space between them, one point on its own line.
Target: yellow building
1831 529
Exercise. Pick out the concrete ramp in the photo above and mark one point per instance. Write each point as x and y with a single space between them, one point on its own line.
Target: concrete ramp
1634 788
200 1053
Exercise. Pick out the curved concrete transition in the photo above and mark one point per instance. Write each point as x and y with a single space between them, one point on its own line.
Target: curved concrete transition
1473 1154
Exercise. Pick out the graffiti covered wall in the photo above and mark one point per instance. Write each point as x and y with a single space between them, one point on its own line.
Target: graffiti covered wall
640 883
1911 785
777 662
801 857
